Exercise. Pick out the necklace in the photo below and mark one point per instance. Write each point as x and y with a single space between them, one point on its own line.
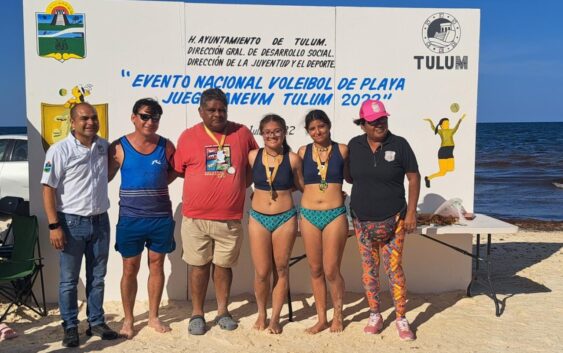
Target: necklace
273 155
322 149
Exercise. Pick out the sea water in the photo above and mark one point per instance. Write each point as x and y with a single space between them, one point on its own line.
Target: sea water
516 165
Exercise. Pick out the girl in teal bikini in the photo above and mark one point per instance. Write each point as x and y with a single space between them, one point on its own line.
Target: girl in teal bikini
272 225
324 226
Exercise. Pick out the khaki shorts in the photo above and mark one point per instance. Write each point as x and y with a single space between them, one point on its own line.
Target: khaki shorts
206 240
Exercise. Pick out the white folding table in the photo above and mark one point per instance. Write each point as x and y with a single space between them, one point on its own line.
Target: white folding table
481 224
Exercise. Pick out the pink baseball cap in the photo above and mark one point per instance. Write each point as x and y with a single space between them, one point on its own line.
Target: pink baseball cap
372 110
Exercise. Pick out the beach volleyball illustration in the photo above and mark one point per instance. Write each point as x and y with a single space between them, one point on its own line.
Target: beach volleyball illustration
446 161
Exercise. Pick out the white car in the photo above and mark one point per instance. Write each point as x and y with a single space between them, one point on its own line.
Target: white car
14 171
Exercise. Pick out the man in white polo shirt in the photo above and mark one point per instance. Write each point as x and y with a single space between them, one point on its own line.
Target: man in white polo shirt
75 197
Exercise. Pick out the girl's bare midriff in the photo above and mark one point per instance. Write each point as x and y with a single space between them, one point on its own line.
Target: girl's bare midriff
263 203
316 199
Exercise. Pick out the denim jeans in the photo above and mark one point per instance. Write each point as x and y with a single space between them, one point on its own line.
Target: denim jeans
85 237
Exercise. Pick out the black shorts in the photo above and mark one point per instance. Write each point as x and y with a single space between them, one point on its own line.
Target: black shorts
446 152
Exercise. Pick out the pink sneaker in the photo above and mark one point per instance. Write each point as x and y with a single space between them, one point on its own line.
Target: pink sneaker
404 330
375 324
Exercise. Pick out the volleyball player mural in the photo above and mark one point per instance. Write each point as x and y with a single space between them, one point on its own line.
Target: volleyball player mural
446 162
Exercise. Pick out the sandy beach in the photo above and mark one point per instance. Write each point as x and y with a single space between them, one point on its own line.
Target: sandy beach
527 275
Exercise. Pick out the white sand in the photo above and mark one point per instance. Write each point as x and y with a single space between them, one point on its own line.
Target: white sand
528 275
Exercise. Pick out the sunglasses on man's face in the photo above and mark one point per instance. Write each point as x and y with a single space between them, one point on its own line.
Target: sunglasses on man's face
146 117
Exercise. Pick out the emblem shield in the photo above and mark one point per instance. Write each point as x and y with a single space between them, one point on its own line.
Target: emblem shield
61 32
389 156
55 122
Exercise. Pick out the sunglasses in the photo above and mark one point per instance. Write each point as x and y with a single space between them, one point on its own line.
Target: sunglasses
146 117
379 123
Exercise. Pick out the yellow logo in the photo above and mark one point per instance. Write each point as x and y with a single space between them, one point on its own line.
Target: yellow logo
55 118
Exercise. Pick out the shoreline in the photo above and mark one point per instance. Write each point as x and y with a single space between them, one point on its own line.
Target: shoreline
531 224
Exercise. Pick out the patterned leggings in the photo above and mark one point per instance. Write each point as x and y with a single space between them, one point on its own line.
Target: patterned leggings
386 237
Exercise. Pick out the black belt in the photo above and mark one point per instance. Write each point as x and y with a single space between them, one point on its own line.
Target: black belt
96 217
93 218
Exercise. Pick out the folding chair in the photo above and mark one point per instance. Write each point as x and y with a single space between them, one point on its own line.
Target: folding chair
19 273
9 206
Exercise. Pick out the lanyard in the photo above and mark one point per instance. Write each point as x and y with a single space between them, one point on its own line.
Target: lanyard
322 168
271 175
212 135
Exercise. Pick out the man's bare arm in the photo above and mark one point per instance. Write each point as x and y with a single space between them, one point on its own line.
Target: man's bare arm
56 236
115 158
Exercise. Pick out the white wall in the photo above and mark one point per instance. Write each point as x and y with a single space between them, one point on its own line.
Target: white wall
125 39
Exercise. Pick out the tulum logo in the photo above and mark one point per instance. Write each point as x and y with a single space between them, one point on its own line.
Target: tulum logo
441 32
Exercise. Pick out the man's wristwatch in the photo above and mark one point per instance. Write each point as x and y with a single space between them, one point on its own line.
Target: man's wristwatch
55 225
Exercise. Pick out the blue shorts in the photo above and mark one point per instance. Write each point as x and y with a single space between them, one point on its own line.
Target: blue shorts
134 233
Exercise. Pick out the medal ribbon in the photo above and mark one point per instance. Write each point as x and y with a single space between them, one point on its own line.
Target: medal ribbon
212 135
323 169
270 175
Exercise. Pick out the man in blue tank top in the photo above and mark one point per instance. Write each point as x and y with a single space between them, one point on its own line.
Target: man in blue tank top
145 210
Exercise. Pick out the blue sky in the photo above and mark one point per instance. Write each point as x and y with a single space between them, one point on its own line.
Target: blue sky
520 68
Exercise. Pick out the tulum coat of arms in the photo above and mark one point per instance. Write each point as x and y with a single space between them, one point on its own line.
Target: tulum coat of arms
61 32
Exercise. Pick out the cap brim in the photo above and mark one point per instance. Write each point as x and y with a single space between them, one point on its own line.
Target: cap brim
374 117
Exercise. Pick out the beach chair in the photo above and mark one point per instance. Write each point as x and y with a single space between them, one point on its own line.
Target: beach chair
19 273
